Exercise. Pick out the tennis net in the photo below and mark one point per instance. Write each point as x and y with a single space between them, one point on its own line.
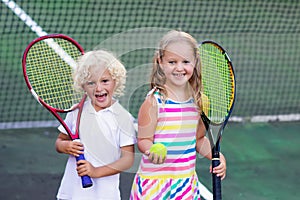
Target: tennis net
261 37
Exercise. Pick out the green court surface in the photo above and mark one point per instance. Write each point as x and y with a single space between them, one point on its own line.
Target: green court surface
262 160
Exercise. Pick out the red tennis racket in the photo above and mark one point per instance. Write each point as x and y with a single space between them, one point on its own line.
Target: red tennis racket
48 62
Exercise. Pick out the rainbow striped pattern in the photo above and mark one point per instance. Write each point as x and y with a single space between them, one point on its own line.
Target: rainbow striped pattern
176 178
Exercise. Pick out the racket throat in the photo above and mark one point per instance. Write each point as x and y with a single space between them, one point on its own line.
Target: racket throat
215 155
214 133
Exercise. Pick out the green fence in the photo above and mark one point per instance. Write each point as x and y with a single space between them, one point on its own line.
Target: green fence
261 37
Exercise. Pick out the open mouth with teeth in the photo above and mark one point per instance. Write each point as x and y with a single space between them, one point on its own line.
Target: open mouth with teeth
179 75
101 96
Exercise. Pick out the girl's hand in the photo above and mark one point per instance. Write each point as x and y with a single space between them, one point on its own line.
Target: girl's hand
155 158
84 168
220 170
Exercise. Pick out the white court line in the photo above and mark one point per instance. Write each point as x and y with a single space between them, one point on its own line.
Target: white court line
24 17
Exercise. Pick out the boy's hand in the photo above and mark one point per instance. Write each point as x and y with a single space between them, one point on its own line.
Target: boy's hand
85 168
74 148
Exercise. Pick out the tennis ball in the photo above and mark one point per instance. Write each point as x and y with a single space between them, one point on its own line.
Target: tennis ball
159 149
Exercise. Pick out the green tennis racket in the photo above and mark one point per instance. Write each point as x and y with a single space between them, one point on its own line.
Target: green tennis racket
218 99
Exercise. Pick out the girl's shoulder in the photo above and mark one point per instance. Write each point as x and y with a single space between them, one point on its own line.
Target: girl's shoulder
154 91
154 94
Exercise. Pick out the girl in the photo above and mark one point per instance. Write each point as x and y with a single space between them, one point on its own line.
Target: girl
171 115
106 130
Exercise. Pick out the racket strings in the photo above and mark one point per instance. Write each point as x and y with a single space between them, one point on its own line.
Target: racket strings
50 75
218 83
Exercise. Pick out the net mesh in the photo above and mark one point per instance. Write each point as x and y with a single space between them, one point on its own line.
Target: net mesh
262 39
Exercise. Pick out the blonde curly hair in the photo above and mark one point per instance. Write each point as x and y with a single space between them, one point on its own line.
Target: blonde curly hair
93 60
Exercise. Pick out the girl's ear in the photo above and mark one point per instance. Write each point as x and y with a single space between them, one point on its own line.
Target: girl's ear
158 59
158 55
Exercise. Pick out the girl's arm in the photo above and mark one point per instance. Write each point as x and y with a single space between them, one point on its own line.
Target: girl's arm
203 147
147 121
202 142
125 162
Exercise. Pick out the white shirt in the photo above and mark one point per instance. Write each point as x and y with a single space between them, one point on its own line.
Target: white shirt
102 133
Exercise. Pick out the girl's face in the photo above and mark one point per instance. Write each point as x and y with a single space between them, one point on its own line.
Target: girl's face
178 64
100 88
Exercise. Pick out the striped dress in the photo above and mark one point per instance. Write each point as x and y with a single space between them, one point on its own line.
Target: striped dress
176 178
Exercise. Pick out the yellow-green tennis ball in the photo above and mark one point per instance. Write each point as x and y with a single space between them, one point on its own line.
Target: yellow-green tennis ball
159 149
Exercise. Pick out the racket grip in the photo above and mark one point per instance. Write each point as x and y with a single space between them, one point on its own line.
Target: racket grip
85 180
216 181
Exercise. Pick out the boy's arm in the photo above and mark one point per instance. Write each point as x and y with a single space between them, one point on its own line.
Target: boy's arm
125 162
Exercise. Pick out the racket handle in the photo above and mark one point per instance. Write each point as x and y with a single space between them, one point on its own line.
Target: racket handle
85 180
216 181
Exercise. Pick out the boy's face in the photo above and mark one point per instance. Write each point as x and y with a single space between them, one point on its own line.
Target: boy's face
100 88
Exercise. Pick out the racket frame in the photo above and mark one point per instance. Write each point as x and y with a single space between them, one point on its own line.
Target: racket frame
219 127
86 180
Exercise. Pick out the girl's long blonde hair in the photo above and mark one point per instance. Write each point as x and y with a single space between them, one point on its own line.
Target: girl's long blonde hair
158 78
